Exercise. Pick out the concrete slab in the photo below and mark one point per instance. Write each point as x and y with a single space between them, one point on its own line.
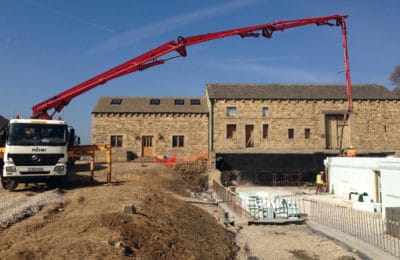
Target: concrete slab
278 221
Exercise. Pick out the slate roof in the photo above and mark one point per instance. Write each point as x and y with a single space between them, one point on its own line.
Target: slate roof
298 91
142 105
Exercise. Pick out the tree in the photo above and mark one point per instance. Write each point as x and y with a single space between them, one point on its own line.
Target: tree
395 76
395 79
396 91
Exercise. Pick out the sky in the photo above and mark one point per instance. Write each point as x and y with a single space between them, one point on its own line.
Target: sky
49 46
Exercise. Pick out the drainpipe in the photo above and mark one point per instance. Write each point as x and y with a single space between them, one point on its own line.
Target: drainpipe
211 126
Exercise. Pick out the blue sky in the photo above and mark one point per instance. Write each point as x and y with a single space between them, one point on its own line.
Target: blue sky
48 46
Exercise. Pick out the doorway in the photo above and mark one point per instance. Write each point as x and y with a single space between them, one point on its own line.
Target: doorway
336 132
378 193
147 145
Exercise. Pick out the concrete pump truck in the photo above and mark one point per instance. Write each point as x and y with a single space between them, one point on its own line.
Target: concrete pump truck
36 149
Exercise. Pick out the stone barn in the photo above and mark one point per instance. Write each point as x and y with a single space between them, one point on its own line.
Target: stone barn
275 133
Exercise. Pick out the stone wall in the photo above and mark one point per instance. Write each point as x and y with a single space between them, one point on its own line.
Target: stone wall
372 127
377 127
161 126
270 169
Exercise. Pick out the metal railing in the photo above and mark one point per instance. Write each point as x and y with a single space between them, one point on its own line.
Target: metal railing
234 202
369 227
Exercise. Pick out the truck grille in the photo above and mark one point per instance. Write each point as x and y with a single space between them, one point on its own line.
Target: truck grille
35 159
44 172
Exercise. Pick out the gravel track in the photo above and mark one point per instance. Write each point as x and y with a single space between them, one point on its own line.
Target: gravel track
288 242
16 206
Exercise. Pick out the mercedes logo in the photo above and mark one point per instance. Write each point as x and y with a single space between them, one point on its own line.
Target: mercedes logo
35 158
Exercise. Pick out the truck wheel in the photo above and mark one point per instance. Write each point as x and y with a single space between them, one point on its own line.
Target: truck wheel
9 183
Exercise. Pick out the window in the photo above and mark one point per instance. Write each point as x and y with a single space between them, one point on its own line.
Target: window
147 141
265 111
116 101
154 102
249 135
178 141
116 141
231 111
307 133
179 102
37 134
265 131
290 133
230 131
195 102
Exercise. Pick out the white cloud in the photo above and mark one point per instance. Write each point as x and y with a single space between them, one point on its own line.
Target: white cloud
287 74
72 17
257 67
160 27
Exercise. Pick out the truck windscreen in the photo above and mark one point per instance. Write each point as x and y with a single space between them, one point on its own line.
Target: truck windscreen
37 134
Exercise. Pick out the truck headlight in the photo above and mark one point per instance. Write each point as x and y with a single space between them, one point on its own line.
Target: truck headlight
11 169
59 168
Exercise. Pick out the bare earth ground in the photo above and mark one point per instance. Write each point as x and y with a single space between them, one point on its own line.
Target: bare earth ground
288 242
85 220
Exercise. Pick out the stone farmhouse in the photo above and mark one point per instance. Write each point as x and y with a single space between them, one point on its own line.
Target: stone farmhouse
259 130
151 126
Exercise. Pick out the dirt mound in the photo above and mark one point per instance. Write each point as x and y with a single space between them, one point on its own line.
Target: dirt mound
90 223
194 174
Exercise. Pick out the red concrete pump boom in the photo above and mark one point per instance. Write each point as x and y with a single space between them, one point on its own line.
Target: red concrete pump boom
152 58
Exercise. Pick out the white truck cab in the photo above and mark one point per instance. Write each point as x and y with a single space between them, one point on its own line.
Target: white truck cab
35 151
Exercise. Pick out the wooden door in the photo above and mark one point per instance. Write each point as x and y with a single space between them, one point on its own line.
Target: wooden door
336 132
147 145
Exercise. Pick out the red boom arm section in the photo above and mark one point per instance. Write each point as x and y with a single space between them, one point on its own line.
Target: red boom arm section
152 58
